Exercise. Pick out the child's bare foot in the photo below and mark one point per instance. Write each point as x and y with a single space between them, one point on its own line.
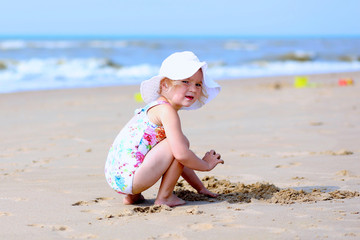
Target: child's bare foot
171 201
208 193
133 199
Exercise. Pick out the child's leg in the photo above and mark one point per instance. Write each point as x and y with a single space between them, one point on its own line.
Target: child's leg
190 176
169 180
159 162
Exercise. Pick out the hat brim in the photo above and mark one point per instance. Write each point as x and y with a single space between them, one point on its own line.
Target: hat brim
150 88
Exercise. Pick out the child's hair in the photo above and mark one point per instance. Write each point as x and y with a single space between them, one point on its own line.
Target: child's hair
173 83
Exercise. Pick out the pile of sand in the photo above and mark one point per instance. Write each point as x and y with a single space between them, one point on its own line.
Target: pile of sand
228 191
152 209
288 196
87 203
137 210
239 192
232 193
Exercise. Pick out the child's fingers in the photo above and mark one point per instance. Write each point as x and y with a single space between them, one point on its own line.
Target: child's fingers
219 160
215 156
212 152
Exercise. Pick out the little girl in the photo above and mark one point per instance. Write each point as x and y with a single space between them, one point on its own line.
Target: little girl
152 144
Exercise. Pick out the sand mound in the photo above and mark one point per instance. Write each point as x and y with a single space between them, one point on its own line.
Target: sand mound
228 191
87 203
288 196
137 211
232 193
239 192
152 209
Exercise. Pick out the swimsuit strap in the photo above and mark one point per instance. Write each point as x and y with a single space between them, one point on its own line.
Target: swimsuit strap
150 105
162 102
154 103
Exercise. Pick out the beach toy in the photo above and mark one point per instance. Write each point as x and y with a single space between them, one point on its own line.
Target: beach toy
301 82
345 82
137 97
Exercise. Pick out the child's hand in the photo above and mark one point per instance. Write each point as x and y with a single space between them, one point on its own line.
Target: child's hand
213 159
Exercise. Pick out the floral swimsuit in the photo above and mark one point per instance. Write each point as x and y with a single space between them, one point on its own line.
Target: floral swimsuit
131 145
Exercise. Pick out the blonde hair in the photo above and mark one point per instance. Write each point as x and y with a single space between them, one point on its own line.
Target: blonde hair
173 83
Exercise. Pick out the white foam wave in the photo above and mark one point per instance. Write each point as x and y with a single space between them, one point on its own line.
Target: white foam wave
240 45
259 69
12 44
70 44
50 73
56 73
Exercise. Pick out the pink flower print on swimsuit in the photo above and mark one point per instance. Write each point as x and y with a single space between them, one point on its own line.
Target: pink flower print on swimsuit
139 158
150 138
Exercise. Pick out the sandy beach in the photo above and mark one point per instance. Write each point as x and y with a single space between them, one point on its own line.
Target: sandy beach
292 164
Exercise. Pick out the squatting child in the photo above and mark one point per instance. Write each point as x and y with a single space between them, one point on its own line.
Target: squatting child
152 144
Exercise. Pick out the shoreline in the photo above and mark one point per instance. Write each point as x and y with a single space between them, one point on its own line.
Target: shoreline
330 77
54 145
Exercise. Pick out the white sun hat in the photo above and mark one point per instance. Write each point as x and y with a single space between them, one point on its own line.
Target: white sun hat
179 66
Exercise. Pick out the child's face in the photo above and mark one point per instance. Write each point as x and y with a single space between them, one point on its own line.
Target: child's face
187 91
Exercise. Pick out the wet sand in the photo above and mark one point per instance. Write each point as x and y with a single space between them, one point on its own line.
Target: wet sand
291 164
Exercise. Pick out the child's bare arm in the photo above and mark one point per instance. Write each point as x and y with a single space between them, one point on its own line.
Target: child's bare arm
179 143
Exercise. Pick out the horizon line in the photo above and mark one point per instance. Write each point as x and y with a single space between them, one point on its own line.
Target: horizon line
169 36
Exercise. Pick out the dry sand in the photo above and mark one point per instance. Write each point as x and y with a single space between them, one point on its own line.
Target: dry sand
291 169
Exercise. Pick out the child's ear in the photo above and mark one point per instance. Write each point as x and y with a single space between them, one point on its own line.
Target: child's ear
164 85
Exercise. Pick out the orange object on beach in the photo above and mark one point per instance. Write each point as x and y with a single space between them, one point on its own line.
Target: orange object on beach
345 81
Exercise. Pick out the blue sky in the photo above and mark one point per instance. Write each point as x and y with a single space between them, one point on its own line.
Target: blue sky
181 17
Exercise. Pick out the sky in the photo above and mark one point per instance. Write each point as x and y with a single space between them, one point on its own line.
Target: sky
180 17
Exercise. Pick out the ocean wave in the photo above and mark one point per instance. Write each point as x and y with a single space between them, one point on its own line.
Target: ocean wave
51 73
240 45
298 55
69 68
9 45
349 58
281 68
13 45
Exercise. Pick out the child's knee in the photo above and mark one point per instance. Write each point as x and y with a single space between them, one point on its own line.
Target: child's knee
187 142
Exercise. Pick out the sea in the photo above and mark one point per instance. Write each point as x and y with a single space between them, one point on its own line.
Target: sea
41 63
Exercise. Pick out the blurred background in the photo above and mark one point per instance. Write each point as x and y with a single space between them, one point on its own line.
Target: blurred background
67 44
